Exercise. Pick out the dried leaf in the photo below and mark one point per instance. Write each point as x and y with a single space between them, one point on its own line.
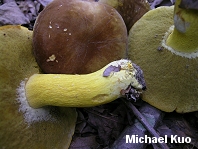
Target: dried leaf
44 2
11 14
108 124
84 142
175 124
29 8
156 3
189 4
81 122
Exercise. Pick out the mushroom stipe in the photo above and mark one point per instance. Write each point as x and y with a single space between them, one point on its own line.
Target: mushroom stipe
82 90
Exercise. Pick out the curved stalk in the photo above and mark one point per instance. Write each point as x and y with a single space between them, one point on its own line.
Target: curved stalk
81 90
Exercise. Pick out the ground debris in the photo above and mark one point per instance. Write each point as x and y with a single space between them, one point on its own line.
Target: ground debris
157 3
21 12
106 122
11 14
177 124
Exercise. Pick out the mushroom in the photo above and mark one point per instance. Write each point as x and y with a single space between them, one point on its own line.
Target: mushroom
88 90
164 44
78 37
130 10
189 4
20 125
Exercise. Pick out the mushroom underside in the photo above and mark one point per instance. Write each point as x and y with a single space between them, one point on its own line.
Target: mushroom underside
172 80
20 125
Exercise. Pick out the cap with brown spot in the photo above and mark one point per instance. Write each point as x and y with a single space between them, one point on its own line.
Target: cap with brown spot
78 37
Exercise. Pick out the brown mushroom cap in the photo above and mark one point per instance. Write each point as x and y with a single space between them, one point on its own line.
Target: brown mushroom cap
130 10
78 37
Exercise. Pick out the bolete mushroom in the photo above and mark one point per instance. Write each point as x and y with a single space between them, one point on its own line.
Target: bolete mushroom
78 37
130 10
21 126
88 90
164 44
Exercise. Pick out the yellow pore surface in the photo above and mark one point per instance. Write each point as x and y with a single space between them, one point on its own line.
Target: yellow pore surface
20 127
171 78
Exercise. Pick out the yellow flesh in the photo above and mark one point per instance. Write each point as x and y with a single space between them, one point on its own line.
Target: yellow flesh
78 90
184 36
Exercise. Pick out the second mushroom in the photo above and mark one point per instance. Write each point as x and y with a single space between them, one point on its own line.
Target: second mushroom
164 43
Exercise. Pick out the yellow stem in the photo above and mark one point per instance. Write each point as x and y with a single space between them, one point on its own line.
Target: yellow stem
185 34
79 90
